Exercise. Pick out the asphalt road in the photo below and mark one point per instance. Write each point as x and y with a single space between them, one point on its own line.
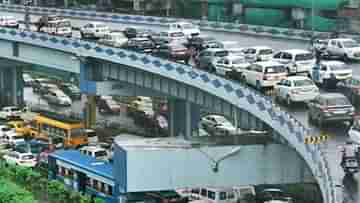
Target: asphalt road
338 133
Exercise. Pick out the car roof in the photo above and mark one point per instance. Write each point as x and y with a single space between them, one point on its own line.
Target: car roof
261 47
296 51
97 23
292 78
215 49
140 38
333 62
232 57
93 148
332 95
268 63
272 190
182 23
215 116
343 39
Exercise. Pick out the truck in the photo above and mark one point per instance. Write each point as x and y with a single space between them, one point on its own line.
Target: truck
188 29
345 48
54 25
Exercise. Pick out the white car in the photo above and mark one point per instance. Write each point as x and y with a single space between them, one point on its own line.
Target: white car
57 97
236 52
28 80
230 65
328 72
114 39
259 53
264 74
296 60
218 125
10 112
9 21
170 36
13 138
343 47
296 89
21 159
4 130
94 30
354 132
95 151
188 29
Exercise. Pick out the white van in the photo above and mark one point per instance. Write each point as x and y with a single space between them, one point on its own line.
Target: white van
188 29
95 151
296 60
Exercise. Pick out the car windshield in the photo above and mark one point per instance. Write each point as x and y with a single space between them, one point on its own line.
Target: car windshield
304 57
266 51
275 69
100 153
300 83
15 109
27 157
5 129
64 24
350 44
337 101
221 53
177 34
339 67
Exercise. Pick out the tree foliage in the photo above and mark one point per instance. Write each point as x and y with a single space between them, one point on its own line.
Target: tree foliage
9 192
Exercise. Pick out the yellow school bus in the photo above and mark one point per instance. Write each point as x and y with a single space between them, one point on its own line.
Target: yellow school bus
58 128
20 127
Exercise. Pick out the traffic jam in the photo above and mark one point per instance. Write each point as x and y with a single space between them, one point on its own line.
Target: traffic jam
319 78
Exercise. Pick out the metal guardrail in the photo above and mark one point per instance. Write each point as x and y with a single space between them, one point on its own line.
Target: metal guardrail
275 32
291 131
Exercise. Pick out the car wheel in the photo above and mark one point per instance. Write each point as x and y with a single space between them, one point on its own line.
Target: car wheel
82 35
288 101
243 79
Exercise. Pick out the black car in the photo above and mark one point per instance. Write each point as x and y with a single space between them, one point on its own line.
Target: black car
174 52
351 89
71 90
142 45
131 32
199 43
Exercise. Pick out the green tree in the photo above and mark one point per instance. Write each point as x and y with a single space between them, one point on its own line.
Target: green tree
57 191
10 192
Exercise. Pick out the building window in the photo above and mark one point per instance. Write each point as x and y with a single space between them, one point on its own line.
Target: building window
110 189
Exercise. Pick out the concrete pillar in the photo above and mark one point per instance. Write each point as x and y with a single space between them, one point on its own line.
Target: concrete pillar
90 111
204 10
183 117
11 86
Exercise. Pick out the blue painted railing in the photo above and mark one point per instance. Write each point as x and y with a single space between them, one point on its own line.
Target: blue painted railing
291 131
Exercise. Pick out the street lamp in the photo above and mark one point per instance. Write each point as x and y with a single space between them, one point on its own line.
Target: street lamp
27 3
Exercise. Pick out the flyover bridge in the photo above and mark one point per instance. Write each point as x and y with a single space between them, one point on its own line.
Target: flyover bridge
99 65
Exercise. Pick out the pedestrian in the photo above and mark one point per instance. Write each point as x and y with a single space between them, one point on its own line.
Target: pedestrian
317 56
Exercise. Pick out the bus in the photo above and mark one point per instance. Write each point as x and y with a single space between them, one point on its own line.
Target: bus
58 129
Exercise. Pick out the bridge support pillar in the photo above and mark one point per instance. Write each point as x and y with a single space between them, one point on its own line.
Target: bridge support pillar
183 117
11 86
90 111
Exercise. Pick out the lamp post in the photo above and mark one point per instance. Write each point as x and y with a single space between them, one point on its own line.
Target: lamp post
27 14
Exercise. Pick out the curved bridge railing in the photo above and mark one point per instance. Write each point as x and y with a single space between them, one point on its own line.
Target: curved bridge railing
290 130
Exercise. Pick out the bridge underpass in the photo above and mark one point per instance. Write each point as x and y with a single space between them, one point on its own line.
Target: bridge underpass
178 81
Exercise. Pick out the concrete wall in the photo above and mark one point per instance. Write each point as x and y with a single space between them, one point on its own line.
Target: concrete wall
162 169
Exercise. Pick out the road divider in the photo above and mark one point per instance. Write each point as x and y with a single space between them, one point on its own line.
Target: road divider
316 139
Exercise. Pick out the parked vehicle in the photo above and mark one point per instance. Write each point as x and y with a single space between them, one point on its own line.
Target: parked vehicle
351 89
330 107
108 105
13 138
236 51
265 74
205 58
28 80
218 125
95 151
230 66
54 25
10 113
296 60
173 52
114 39
258 53
273 195
21 159
189 29
329 73
201 42
169 36
71 90
4 130
354 132
343 47
142 45
296 89
9 21
57 97
94 30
